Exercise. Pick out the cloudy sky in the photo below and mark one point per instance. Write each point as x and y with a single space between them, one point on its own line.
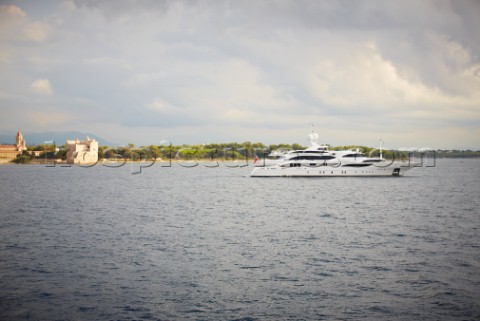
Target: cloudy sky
406 72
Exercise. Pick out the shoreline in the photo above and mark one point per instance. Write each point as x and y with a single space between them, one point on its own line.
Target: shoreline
173 161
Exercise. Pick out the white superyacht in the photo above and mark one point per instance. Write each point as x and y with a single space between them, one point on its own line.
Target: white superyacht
318 161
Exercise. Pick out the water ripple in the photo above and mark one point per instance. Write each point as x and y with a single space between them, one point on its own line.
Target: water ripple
211 244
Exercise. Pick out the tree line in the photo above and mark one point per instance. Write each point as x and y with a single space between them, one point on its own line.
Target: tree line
225 151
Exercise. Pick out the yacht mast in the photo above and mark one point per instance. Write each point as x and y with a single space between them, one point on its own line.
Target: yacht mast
381 146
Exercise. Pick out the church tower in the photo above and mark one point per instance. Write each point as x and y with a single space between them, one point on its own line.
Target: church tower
20 142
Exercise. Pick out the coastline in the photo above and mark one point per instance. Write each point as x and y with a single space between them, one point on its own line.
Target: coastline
158 160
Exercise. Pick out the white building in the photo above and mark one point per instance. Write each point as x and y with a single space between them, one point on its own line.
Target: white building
82 152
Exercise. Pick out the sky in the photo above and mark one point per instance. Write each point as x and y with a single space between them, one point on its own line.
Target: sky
210 71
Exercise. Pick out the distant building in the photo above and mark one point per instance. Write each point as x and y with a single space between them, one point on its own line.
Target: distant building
9 152
81 152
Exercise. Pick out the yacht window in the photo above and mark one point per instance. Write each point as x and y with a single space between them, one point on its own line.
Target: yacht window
312 157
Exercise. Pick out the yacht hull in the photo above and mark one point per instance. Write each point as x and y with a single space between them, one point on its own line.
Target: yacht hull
327 171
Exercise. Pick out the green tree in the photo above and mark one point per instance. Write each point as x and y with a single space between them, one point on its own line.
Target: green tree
23 158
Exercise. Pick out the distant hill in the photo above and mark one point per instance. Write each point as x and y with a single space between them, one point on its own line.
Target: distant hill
58 137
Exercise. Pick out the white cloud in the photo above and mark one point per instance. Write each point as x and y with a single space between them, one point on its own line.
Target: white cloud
36 31
11 11
364 82
11 19
16 25
162 106
42 86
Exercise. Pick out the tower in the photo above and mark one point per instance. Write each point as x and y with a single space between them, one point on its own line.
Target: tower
20 142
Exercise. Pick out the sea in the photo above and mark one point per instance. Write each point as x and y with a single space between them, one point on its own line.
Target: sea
191 242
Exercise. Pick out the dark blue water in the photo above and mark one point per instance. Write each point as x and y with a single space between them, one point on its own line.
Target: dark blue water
214 244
